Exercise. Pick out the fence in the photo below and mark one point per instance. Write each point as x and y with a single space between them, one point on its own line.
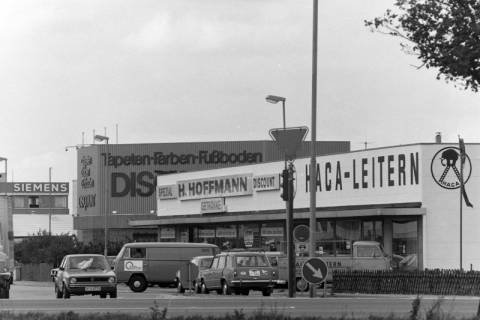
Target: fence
437 282
34 272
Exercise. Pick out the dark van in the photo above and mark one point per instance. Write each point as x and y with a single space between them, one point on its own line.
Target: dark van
140 264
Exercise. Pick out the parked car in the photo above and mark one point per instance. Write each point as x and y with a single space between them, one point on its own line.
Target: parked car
273 258
187 274
5 277
82 274
140 264
237 272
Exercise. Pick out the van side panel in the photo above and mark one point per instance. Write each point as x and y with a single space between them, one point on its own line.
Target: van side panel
163 264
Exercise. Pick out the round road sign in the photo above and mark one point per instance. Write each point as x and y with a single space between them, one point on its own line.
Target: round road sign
314 270
301 233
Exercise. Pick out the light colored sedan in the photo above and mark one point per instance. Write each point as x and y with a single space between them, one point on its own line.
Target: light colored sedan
82 274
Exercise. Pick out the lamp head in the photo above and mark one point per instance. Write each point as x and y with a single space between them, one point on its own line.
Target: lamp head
275 99
101 138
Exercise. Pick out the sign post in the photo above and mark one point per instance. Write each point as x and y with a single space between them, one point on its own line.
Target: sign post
315 271
288 141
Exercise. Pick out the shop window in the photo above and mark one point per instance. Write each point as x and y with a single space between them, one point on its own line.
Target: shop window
204 234
249 235
325 244
33 202
372 230
60 202
405 244
347 232
272 237
18 202
226 237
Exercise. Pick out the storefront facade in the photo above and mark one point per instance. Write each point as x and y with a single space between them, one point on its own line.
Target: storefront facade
119 180
405 197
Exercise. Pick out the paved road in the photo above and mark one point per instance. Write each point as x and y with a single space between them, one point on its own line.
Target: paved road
27 297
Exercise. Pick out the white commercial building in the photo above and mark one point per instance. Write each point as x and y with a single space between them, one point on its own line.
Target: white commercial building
406 197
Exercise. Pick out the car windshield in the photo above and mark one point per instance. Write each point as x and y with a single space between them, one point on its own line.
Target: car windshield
252 261
86 262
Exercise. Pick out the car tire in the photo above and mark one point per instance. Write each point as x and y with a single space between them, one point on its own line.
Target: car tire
197 288
226 290
58 293
245 292
203 288
65 293
137 283
267 292
113 294
3 293
103 295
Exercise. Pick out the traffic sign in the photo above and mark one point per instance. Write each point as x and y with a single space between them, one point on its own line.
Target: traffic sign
314 270
289 139
301 233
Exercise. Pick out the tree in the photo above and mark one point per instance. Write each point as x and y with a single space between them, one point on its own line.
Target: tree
444 34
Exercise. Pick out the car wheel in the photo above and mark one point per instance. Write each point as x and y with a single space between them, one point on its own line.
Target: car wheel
180 288
137 283
3 293
203 288
245 292
197 288
226 288
267 292
113 295
65 293
58 293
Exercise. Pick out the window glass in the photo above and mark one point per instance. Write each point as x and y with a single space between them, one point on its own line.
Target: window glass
19 202
138 253
214 263
60 202
229 262
366 251
325 245
405 244
221 262
33 202
262 261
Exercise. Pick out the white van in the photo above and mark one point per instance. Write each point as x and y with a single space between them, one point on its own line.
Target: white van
140 264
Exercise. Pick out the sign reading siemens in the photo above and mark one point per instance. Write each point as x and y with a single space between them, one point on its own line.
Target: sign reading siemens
40 187
226 186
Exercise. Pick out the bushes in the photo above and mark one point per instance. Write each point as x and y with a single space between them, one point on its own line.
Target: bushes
45 248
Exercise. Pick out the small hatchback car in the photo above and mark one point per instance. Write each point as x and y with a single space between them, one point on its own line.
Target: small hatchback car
237 272
81 274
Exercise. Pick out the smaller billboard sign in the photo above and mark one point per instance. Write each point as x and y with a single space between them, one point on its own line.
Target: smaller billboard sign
167 192
266 182
212 205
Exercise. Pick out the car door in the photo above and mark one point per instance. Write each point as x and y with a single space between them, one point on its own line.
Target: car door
209 273
61 270
217 274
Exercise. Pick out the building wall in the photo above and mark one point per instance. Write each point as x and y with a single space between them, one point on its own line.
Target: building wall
366 183
442 221
121 178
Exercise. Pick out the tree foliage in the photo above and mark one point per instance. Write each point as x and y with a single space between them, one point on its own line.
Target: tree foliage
444 34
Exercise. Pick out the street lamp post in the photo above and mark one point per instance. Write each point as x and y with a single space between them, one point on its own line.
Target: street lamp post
50 200
100 138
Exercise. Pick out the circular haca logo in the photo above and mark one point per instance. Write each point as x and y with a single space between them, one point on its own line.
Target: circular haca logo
446 170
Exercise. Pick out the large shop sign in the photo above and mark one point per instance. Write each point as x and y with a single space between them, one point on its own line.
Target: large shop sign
219 187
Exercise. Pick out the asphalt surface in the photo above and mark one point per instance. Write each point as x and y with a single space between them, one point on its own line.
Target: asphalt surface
39 296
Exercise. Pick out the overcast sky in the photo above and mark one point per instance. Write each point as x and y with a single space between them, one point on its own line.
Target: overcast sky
199 70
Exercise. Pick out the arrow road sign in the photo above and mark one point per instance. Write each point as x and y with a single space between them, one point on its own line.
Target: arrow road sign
314 270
